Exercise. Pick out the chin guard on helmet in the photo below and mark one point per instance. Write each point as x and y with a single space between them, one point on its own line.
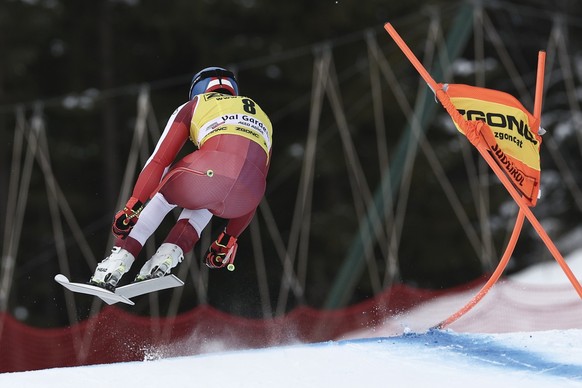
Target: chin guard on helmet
213 79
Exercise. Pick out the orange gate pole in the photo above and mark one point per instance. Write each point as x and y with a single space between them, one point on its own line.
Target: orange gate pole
524 210
518 223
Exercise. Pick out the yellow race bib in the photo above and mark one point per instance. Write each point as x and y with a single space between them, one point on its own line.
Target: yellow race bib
219 114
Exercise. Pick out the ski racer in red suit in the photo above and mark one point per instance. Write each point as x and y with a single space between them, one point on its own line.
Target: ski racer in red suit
225 176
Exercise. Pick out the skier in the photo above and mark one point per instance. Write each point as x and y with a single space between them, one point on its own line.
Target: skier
225 176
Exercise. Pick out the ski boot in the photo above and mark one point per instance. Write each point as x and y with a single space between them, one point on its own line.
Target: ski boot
110 270
167 257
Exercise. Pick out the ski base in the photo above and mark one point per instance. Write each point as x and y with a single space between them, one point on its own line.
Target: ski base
121 294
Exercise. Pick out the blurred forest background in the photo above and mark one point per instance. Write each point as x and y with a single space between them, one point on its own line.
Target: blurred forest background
81 65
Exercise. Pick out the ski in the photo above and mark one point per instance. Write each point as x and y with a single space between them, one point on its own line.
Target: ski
105 295
150 285
121 294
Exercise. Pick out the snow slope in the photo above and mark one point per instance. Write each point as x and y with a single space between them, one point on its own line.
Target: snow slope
435 358
376 358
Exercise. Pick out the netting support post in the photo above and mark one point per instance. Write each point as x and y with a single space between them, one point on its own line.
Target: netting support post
354 263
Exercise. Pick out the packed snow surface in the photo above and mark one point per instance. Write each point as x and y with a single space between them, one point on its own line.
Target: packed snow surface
412 358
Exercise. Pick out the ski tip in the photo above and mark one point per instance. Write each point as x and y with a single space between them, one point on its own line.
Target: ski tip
60 278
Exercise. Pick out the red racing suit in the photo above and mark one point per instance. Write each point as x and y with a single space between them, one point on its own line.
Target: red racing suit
227 173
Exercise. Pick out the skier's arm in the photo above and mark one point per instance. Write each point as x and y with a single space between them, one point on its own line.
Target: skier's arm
173 138
236 226
223 250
